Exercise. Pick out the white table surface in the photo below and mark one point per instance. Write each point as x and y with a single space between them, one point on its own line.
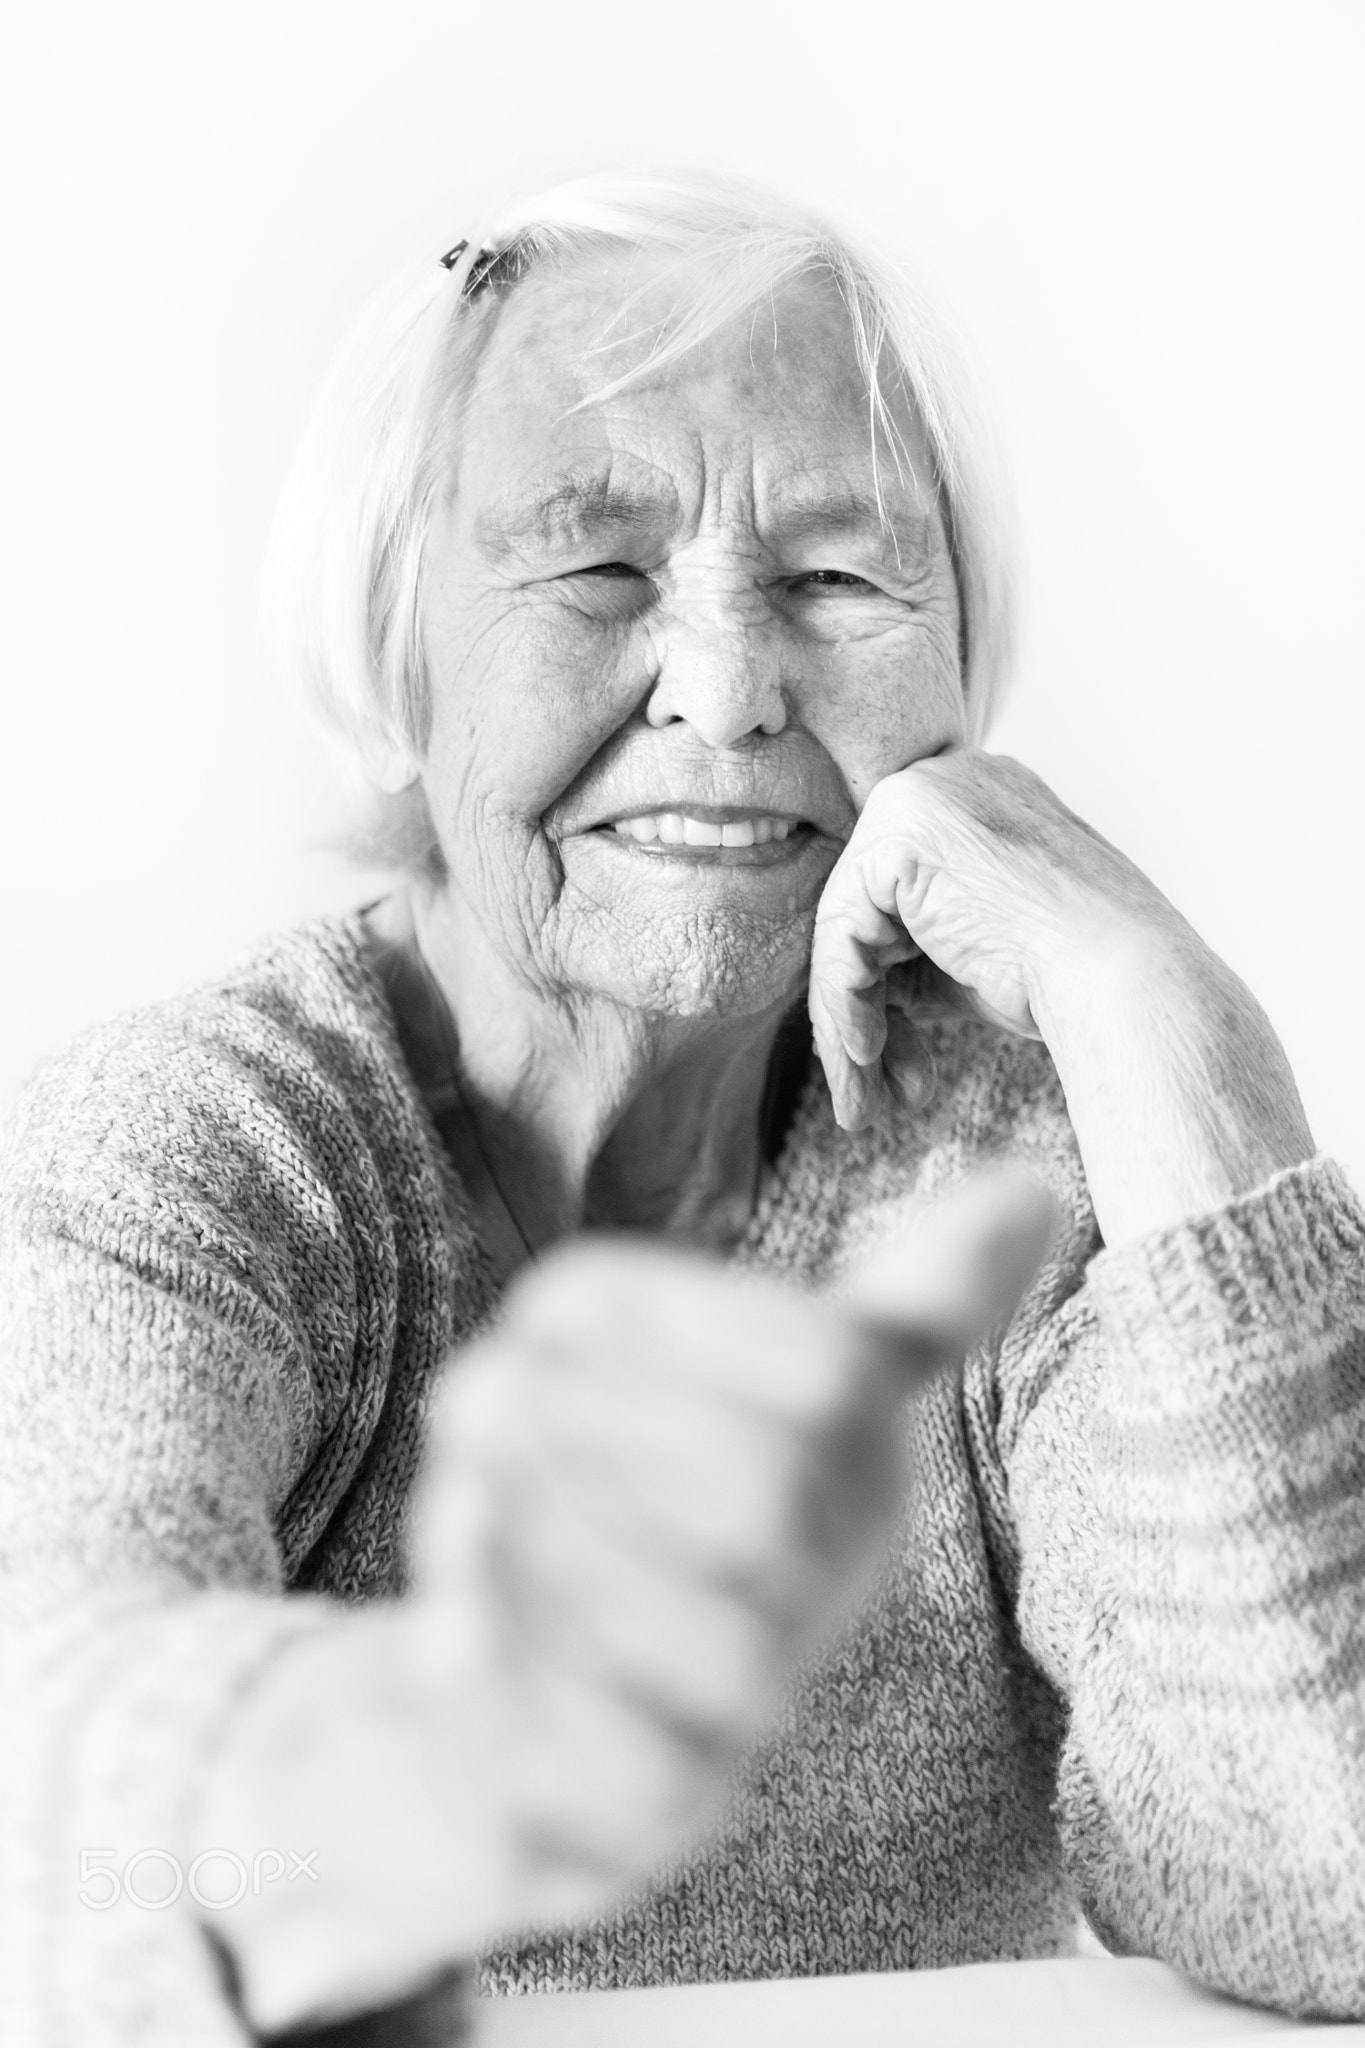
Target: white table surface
1071 2003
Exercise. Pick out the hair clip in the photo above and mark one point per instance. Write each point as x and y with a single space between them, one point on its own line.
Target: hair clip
490 266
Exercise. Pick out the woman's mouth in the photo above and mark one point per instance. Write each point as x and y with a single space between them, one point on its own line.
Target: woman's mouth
741 837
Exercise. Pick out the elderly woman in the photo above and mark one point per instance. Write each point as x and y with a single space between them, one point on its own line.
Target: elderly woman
646 557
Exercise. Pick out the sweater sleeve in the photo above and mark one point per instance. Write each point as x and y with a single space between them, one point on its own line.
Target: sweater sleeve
1187 1481
178 1410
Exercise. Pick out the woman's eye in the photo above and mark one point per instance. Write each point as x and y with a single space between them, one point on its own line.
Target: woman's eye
609 569
832 579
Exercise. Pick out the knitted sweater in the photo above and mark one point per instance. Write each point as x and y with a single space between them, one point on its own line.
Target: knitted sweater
1117 1656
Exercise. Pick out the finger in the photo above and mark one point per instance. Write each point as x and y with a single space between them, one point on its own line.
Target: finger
908 1063
764 1514
695 1654
691 1488
625 1312
602 1785
923 991
694 1413
959 1269
859 937
697 1658
855 1088
857 1094
854 945
848 1014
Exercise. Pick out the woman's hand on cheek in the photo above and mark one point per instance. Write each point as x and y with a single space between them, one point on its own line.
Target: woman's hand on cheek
967 885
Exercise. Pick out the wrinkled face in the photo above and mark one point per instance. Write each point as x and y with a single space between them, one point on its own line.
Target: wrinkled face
672 646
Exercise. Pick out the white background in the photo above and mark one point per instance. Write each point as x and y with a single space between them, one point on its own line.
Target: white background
1149 217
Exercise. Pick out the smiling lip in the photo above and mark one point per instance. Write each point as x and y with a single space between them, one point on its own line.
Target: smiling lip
708 831
706 827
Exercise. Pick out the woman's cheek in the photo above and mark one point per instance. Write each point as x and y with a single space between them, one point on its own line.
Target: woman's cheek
528 709
534 702
876 706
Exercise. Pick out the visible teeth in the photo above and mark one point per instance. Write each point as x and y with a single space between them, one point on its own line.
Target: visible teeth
675 828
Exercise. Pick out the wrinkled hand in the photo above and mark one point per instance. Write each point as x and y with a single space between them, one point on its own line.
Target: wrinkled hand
644 1496
967 886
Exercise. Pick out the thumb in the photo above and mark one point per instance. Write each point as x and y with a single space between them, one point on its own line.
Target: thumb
957 1270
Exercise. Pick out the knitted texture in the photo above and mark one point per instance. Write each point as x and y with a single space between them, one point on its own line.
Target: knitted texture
1115 1656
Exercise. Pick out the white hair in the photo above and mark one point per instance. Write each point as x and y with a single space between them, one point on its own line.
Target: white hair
344 565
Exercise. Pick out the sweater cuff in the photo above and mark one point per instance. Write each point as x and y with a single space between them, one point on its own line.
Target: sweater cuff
1259 1287
112 1703
1228 1435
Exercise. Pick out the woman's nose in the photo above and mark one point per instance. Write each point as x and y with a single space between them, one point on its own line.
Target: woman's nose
723 680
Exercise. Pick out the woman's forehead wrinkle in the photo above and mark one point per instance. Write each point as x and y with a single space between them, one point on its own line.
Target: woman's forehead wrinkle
798 506
569 505
771 441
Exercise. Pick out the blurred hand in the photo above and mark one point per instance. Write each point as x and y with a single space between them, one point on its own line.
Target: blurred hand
643 1497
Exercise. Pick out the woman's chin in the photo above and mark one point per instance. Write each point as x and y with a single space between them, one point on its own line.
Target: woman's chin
679 966
687 937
